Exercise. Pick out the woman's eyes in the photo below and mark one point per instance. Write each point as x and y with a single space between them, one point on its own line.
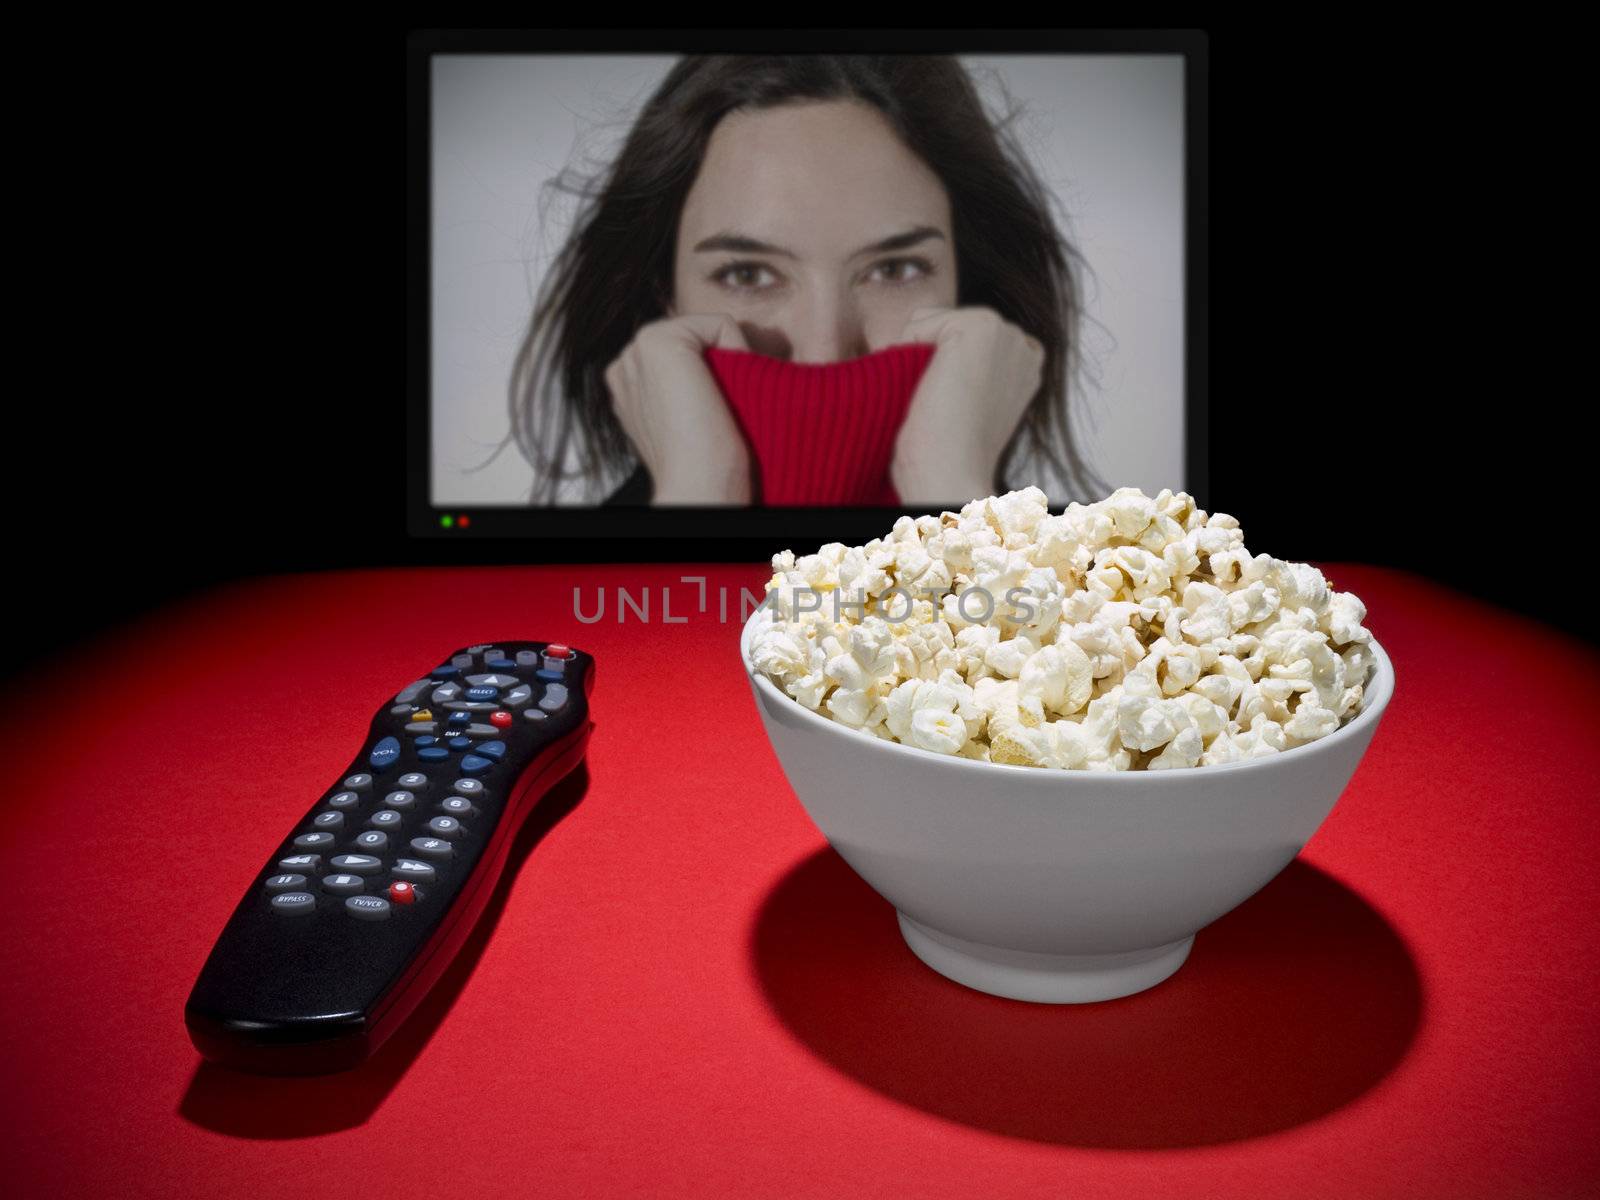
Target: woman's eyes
739 276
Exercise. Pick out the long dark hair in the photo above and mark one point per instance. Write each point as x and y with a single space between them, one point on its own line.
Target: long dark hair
615 272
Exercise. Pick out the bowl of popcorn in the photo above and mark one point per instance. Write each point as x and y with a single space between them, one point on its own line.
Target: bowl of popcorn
1061 744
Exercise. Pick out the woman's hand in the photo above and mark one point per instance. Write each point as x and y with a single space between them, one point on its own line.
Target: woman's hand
981 379
670 407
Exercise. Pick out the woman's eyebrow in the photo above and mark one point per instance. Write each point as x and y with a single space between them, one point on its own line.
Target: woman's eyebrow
740 244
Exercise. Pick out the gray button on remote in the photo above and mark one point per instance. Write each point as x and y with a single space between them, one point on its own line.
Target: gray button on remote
400 800
432 847
456 805
328 820
555 695
294 902
445 692
344 800
533 714
385 818
412 690
368 908
301 862
416 872
412 779
518 696
358 783
467 787
494 681
464 661
400 710
285 883
343 885
422 726
311 841
481 731
373 839
527 658
359 864
445 827
471 706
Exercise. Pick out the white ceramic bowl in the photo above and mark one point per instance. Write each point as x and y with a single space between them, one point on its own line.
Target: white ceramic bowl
1051 885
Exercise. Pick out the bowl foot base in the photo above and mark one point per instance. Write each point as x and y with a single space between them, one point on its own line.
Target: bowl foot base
1043 978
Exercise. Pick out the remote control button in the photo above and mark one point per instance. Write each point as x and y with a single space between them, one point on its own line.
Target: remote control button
343 800
426 739
478 649
494 750
483 693
412 690
533 714
458 806
294 902
493 681
368 908
301 862
285 883
431 847
310 841
463 661
401 710
445 827
558 650
402 892
433 754
467 787
328 820
445 672
385 818
357 864
554 697
492 652
500 720
373 839
343 885
527 658
422 714
400 800
474 765
471 706
500 664
458 719
384 754
415 871
412 779
548 676
558 665
517 696
422 726
484 730
445 694
358 783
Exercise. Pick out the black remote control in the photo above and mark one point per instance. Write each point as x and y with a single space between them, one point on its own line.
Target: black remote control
359 911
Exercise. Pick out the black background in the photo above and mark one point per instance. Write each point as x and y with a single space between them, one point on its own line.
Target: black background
224 391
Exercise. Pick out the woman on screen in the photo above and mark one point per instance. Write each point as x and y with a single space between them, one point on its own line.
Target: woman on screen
753 279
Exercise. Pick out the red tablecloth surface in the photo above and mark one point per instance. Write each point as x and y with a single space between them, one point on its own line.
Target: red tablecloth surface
682 991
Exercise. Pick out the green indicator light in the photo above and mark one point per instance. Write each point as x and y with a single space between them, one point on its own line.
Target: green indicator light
447 520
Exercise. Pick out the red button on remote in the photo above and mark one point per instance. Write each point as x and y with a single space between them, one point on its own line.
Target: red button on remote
500 720
402 892
557 650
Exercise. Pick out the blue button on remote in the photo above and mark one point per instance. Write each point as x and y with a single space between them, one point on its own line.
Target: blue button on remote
384 754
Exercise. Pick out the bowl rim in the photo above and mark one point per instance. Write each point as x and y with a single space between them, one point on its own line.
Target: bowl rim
1374 700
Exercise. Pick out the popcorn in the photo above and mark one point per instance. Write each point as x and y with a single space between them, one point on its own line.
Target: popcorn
1135 633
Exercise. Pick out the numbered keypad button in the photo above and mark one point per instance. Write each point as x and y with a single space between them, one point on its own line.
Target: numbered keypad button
412 779
433 848
356 864
328 820
400 800
385 818
456 806
358 783
285 883
343 884
470 788
313 841
344 800
373 839
368 908
445 827
294 902
414 870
